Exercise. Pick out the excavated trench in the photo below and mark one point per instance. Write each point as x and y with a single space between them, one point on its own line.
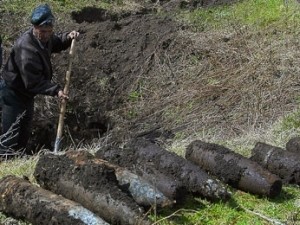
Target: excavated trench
112 54
117 53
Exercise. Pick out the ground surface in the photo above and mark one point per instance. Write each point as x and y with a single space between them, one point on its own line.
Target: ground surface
142 73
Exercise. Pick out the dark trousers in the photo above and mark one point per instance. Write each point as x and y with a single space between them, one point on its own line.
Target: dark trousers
17 115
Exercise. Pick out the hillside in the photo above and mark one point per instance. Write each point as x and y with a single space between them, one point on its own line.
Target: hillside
157 70
140 72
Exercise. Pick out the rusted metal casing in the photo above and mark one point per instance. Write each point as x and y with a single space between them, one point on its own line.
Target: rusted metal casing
234 169
278 161
23 200
76 176
194 179
293 145
170 187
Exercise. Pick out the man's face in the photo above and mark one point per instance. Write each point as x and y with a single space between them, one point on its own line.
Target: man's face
43 33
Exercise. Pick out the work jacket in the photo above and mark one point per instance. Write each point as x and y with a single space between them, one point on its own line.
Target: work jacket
28 70
0 51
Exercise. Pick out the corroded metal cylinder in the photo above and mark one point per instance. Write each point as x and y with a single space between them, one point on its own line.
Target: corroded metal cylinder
293 145
170 187
23 200
196 180
76 176
234 169
279 161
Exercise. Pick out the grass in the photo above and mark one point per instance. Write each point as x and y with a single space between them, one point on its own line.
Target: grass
58 6
243 209
18 167
270 30
254 13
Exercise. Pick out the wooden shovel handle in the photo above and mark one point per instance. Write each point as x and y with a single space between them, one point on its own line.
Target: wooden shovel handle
64 101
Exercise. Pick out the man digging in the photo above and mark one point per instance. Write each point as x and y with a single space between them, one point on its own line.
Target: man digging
27 73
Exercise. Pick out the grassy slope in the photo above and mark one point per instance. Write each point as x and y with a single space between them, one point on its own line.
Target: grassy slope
256 20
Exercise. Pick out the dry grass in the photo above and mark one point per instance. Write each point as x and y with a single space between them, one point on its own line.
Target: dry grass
228 82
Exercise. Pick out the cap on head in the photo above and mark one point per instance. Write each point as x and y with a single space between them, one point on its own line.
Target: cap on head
42 16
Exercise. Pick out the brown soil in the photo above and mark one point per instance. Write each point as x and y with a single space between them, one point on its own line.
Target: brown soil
114 58
119 56
131 77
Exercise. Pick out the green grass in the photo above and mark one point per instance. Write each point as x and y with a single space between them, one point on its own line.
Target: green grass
253 13
242 209
19 167
58 6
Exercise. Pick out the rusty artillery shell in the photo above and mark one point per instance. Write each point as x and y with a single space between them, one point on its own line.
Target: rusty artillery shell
170 187
173 189
195 179
293 145
76 176
279 161
142 191
23 200
234 169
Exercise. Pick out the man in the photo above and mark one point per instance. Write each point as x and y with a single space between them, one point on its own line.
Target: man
28 72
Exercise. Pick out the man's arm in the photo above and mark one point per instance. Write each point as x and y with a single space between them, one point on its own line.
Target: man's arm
63 41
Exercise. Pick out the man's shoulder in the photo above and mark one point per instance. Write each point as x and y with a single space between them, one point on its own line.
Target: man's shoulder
26 39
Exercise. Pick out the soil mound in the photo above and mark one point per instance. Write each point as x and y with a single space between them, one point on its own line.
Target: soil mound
142 73
114 58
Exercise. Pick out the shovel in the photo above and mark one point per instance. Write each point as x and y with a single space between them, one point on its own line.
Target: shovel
64 101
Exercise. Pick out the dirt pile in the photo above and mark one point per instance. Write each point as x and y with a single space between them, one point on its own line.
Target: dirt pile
141 72
114 60
126 68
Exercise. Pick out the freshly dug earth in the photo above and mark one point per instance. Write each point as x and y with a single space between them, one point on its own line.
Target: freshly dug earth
138 72
115 56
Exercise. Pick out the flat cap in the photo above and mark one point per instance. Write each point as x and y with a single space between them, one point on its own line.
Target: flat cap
42 15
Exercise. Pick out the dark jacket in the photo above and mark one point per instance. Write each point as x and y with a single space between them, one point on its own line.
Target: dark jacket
28 70
0 51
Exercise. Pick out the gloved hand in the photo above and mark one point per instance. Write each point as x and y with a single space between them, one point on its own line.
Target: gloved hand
73 35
